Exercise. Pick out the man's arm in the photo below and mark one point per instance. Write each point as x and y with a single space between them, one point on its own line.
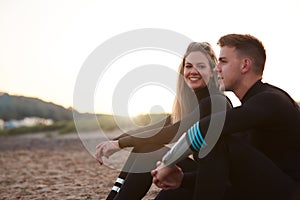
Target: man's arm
261 110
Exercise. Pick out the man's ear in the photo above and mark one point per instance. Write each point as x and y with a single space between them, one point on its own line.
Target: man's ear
246 65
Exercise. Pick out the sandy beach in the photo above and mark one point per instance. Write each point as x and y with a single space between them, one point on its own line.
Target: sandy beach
42 166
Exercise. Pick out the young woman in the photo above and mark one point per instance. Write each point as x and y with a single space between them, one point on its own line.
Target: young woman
196 87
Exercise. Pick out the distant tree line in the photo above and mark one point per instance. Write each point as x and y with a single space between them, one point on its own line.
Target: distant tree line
19 107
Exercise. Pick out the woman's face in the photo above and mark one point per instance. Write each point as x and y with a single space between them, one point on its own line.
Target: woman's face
196 70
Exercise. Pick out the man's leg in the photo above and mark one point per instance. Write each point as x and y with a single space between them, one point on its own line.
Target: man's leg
254 175
212 174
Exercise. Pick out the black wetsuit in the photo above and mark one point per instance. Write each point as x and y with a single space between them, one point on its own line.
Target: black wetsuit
265 167
136 185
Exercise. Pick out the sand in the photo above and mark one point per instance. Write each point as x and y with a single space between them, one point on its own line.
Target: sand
42 166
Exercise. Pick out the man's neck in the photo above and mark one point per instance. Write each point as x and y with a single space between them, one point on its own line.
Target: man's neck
245 86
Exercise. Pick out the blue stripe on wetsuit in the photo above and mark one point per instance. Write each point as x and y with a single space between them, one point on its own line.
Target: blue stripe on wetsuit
195 137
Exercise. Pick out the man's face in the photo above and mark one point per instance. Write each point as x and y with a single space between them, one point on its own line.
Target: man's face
228 69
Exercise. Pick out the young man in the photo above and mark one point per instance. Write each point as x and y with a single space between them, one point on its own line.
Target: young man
267 166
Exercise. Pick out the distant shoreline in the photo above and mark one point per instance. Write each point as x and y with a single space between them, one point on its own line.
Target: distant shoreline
49 141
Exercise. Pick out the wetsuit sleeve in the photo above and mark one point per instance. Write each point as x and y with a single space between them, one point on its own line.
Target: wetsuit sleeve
160 136
173 132
162 123
166 134
263 110
192 140
178 152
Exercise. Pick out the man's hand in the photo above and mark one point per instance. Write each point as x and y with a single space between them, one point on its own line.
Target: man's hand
106 149
167 177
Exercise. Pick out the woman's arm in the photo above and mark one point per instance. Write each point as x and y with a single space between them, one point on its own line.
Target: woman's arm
173 132
158 125
107 148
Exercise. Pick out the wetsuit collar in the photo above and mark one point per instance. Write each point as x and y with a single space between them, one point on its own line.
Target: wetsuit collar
201 93
206 91
252 91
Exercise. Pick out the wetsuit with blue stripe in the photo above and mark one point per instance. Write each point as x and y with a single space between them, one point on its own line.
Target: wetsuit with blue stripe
265 167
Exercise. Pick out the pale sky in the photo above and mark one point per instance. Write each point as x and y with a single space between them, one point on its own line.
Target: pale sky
43 44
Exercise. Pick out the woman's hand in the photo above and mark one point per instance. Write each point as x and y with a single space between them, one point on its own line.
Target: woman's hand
106 149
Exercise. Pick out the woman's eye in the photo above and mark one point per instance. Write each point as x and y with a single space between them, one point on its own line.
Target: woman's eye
188 66
201 66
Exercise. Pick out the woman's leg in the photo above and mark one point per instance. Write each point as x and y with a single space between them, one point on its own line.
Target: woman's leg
138 179
121 178
117 185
